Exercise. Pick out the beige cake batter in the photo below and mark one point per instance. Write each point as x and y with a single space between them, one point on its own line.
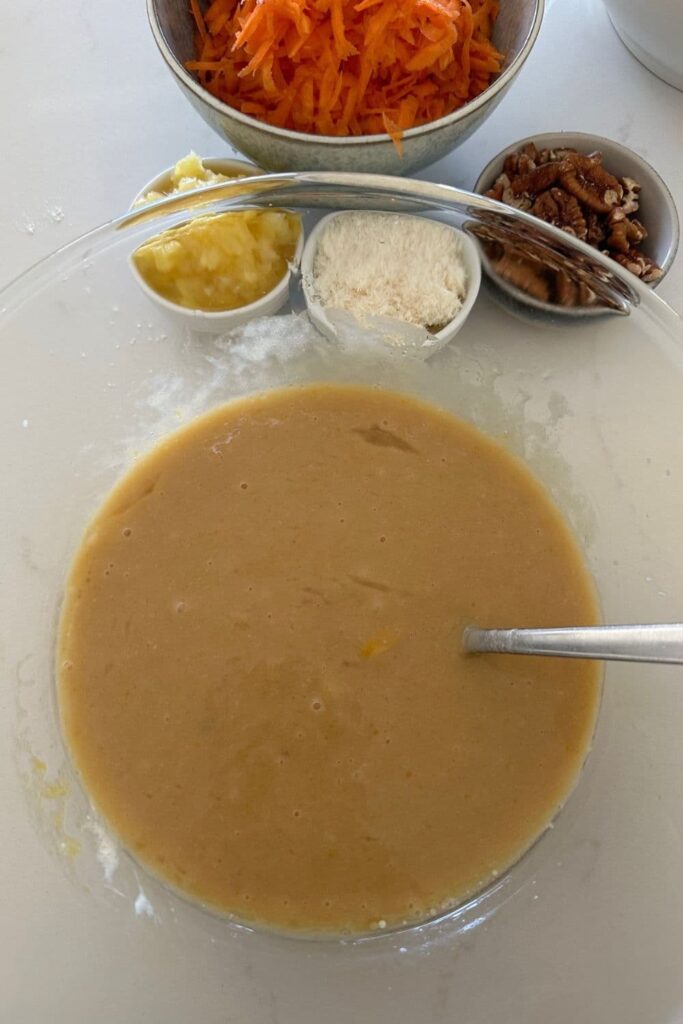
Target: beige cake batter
260 676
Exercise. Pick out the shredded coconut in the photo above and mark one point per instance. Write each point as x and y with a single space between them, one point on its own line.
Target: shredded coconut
391 265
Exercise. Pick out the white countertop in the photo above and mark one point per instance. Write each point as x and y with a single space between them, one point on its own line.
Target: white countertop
90 113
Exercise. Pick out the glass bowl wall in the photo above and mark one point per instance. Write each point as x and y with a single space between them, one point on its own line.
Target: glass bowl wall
91 375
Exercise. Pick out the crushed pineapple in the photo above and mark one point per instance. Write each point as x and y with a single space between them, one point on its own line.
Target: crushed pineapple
220 262
190 173
379 644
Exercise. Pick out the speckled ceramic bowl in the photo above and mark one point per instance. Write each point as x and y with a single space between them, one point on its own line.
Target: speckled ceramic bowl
277 149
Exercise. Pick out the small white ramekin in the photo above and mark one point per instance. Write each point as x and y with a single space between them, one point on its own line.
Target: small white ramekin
216 321
227 165
471 259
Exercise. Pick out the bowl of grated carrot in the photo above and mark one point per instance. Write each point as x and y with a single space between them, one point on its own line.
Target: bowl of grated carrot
386 86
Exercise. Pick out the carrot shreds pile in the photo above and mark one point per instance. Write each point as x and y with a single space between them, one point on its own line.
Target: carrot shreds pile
346 67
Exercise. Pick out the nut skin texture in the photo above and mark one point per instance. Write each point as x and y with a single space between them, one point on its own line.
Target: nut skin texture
618 237
635 231
595 233
524 275
566 291
536 180
639 264
563 210
586 178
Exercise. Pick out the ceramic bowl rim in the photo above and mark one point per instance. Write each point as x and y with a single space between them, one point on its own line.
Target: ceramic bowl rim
306 138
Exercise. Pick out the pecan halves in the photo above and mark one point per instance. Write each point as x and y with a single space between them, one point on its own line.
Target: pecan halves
537 180
586 178
522 161
497 191
518 163
630 202
521 202
618 237
547 156
523 274
575 192
635 231
639 264
561 209
623 233
595 234
587 296
566 290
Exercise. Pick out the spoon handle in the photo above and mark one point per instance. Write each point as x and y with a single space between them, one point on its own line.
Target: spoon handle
661 643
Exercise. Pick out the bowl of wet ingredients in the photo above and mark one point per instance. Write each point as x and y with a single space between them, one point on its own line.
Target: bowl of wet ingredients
286 691
244 564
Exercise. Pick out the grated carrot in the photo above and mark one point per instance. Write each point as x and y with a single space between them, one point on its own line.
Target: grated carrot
346 67
199 21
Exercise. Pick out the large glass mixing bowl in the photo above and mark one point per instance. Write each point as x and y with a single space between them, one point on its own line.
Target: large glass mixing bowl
91 375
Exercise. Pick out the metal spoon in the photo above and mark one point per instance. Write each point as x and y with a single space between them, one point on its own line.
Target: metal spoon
660 643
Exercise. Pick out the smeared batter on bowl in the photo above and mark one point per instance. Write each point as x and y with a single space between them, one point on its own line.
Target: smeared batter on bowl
260 677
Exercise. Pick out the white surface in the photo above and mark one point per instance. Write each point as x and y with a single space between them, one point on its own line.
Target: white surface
83 88
654 32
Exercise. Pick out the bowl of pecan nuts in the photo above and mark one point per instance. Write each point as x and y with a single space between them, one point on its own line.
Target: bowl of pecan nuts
595 190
